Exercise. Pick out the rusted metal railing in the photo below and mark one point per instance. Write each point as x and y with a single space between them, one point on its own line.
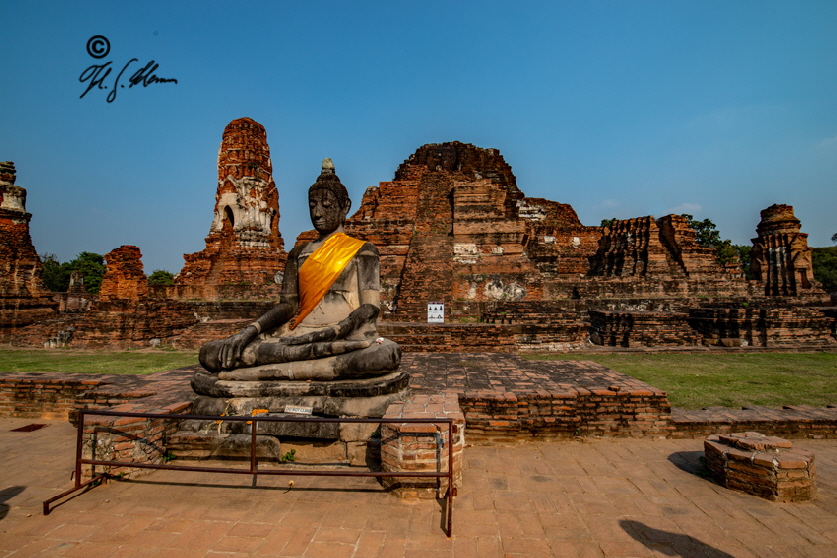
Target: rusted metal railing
254 463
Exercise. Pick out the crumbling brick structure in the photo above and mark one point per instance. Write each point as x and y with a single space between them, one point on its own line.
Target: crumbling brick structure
453 226
244 246
121 316
24 299
124 279
766 466
781 260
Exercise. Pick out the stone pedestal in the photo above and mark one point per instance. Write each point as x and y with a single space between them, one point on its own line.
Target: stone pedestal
422 447
361 398
760 465
325 443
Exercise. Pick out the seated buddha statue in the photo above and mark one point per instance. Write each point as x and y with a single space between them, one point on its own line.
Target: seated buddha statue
324 326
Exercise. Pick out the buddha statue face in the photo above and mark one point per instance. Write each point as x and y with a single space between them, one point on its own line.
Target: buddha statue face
327 215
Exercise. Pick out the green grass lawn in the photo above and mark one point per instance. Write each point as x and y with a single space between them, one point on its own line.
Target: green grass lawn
98 362
694 381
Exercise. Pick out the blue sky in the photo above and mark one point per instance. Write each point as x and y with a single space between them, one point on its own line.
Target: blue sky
622 109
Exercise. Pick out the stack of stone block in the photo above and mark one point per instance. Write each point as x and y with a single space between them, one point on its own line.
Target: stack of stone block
761 465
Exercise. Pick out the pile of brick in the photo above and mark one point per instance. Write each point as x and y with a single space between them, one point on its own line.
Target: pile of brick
765 466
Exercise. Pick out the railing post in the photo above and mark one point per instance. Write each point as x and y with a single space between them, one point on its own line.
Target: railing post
451 489
79 440
254 463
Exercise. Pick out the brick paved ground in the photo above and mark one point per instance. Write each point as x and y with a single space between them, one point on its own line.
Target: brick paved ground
613 498
472 372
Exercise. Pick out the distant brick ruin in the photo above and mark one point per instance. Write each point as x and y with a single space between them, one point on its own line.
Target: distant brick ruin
781 259
124 279
121 316
24 299
244 246
515 273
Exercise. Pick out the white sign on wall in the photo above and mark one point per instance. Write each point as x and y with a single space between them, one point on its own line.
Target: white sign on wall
435 312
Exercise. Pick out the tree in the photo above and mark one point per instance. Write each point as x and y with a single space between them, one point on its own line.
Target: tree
608 222
707 233
744 257
160 278
824 261
834 238
709 237
92 267
56 275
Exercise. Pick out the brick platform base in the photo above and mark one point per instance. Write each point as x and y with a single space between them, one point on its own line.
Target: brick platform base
503 395
761 465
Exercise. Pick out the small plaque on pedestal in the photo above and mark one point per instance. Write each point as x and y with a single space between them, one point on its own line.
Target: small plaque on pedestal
299 410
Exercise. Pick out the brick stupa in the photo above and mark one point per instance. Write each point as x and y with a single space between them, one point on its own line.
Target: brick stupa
781 258
24 298
244 246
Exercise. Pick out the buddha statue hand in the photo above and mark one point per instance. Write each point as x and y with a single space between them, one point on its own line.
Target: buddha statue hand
350 327
225 354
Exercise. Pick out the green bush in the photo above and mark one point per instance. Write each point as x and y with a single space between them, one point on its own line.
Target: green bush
825 267
161 277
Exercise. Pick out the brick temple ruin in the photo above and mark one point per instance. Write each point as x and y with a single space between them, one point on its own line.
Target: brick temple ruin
244 246
24 298
514 273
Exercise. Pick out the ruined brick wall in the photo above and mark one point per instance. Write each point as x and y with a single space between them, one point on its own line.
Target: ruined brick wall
454 227
114 324
632 248
642 329
24 299
58 395
244 246
781 259
124 278
679 238
756 326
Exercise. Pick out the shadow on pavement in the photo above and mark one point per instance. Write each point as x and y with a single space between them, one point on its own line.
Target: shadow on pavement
670 544
691 462
6 494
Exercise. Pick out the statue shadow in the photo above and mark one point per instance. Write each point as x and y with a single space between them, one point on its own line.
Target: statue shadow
670 544
7 494
691 462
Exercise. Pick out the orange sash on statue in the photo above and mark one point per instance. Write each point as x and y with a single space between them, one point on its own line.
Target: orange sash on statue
322 268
